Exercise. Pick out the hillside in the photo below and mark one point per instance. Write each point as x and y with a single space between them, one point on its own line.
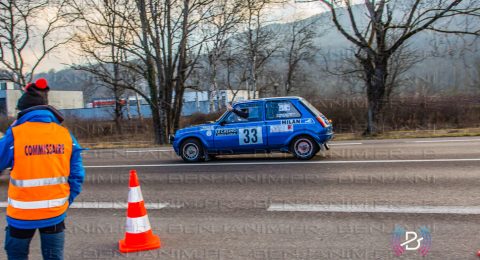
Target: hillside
448 61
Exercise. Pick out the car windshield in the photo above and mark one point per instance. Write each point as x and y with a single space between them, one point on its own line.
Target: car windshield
220 118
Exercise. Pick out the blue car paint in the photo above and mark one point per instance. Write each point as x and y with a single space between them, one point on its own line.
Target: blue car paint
277 138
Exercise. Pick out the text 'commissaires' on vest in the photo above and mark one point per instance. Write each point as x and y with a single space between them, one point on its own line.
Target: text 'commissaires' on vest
44 149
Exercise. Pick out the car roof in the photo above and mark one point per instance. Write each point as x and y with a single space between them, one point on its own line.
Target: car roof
268 99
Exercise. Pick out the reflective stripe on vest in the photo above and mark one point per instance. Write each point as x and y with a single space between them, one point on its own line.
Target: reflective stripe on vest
43 204
39 182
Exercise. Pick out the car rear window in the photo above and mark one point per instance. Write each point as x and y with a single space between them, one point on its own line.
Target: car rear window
311 108
283 109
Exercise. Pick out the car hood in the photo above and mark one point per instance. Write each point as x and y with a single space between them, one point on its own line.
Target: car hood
195 128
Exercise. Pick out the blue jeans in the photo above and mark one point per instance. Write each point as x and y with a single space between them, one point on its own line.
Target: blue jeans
52 239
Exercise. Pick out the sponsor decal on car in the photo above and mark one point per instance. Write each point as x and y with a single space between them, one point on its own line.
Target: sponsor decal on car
284 107
309 121
226 132
297 121
206 128
291 121
281 128
287 115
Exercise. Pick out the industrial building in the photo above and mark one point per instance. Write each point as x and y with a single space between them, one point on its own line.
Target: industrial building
71 103
59 99
193 102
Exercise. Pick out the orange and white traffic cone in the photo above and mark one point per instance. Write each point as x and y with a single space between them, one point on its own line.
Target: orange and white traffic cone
139 235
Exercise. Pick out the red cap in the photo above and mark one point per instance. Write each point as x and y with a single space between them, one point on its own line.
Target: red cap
41 83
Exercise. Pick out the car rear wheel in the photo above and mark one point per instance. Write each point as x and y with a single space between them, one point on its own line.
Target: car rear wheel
304 147
192 150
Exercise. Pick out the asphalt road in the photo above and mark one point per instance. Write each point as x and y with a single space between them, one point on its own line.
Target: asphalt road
344 204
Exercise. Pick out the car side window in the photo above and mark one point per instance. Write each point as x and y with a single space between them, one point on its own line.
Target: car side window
283 109
254 114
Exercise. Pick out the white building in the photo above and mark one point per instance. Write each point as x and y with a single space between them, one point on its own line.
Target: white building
58 99
6 85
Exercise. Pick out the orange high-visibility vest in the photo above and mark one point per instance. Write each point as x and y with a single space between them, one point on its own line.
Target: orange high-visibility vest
38 186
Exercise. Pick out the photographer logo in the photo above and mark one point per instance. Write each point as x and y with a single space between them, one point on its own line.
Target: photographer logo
403 240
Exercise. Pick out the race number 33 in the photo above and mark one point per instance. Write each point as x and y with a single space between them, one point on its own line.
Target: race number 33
249 136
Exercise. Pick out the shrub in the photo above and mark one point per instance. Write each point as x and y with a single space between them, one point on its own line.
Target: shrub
403 113
200 118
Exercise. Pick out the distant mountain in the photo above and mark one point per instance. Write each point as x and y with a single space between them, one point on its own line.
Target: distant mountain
76 80
448 60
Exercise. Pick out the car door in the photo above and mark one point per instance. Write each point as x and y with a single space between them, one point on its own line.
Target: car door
242 135
282 119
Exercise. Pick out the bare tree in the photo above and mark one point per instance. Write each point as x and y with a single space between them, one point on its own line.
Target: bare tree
223 23
476 76
300 47
236 74
258 42
170 53
151 65
382 27
194 13
155 38
100 21
24 40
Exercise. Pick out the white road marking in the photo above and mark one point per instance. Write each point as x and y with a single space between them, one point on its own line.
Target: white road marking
446 141
459 210
279 163
109 205
344 144
147 151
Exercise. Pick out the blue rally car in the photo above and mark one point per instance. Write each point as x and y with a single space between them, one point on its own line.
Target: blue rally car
287 124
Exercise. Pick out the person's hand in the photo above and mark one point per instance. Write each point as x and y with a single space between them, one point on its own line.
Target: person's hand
229 107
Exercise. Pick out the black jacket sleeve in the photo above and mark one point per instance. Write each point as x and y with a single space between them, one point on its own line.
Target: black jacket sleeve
240 113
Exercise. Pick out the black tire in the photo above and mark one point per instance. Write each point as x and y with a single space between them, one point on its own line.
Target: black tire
192 151
304 147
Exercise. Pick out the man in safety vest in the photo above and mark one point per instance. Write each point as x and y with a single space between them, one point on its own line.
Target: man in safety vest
46 175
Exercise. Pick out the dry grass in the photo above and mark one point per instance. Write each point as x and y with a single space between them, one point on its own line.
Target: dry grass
119 145
407 117
406 113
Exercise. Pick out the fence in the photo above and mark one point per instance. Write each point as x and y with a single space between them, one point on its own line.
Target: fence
107 113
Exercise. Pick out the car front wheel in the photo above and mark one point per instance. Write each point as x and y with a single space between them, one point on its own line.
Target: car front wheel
192 150
304 147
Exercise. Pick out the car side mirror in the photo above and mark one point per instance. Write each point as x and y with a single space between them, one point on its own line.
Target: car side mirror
223 123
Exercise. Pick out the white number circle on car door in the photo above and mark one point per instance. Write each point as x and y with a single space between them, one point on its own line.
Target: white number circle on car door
248 136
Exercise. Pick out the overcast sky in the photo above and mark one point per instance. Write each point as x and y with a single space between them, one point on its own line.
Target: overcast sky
64 57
